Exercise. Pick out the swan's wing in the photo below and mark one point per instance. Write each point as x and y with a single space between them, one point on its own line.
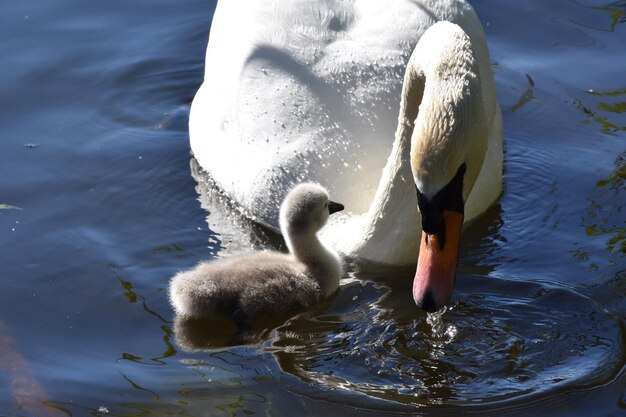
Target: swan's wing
307 91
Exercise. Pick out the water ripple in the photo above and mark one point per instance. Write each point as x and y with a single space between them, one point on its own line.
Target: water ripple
500 340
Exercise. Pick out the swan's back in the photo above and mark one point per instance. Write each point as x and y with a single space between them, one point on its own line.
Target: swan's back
308 91
256 285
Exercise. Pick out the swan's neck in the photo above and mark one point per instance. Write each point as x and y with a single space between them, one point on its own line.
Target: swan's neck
382 230
433 111
395 202
323 263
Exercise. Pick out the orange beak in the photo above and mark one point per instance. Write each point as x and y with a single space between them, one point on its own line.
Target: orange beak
436 265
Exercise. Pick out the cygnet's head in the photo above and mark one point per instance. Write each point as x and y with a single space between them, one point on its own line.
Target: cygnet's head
306 209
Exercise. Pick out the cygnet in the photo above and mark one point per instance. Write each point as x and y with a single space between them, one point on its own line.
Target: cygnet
267 283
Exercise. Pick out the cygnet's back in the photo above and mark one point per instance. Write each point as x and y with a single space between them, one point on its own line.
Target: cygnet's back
266 283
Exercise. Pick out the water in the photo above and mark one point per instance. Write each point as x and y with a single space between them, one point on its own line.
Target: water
94 155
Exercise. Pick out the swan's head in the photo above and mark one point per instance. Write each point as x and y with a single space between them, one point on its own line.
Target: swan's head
305 210
448 146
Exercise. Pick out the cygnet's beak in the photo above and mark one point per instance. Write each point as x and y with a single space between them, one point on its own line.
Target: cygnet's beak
436 265
334 207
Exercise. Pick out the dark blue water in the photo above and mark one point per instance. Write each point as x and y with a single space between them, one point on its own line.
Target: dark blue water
98 208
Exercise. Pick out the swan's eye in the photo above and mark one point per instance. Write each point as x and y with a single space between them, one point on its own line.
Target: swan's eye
431 212
449 198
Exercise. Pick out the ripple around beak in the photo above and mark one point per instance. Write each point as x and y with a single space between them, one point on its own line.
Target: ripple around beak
487 349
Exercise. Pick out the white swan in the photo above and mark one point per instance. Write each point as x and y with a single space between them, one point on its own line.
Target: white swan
266 283
309 92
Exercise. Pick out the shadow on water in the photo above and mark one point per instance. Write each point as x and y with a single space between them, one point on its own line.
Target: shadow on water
233 231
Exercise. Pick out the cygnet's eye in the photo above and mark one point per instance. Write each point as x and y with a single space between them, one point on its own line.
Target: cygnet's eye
326 204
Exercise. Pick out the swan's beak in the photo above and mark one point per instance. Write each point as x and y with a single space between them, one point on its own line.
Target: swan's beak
334 207
436 265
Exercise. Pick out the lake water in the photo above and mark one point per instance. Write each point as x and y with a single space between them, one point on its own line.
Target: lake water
98 208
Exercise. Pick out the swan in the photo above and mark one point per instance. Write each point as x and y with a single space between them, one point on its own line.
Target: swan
309 92
267 283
